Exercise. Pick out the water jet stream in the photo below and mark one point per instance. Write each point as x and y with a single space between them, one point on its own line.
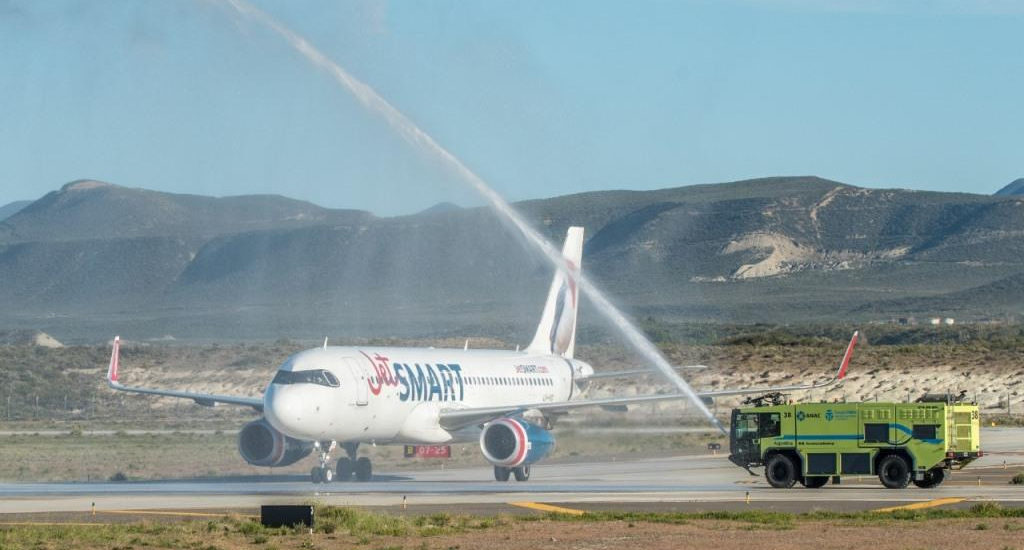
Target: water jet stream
418 138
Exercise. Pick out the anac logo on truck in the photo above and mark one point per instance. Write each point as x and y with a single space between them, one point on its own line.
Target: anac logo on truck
801 415
426 382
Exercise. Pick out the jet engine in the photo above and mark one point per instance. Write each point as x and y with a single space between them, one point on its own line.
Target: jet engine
512 442
261 445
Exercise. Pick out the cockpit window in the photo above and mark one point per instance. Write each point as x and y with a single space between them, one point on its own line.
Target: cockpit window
319 377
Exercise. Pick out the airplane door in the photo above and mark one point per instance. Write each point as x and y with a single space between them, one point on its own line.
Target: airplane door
362 379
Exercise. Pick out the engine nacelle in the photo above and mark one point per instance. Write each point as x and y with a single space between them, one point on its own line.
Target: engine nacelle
513 442
261 445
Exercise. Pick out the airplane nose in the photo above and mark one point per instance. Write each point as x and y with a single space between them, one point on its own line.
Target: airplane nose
284 408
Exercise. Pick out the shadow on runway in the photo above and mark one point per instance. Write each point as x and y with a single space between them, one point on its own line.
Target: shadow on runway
270 478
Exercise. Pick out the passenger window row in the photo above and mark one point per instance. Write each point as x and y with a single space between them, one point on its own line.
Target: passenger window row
508 381
485 381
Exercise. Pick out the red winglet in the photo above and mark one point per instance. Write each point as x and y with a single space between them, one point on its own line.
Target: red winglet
114 357
846 358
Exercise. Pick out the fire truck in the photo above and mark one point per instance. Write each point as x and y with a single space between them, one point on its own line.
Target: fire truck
810 443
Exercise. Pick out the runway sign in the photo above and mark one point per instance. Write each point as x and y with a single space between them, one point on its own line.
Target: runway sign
286 515
428 451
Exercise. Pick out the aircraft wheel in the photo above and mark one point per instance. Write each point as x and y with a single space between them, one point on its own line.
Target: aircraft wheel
364 469
932 478
344 469
316 474
780 472
894 472
327 475
522 473
501 473
814 482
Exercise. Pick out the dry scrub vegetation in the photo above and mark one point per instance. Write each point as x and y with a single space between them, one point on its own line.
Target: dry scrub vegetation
982 526
63 389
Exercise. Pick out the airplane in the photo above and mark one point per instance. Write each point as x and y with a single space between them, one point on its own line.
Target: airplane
508 401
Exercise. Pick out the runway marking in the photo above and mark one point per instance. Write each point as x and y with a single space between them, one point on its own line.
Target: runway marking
923 505
184 514
548 508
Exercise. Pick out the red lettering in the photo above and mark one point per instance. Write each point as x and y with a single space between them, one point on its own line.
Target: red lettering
383 375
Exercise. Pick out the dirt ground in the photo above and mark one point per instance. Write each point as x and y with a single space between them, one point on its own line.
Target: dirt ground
883 534
727 535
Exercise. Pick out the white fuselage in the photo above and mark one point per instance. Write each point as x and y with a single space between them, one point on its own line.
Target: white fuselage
395 395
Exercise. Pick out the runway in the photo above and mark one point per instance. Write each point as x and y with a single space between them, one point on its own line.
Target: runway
674 483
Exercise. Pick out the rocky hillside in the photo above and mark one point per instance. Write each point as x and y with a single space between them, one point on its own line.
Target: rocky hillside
28 337
1014 188
12 208
88 209
93 258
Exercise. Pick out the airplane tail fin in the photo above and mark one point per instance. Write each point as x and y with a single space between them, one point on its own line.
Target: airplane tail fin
115 356
556 333
845 363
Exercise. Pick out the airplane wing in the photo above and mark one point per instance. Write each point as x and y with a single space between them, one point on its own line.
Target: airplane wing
458 418
637 372
205 399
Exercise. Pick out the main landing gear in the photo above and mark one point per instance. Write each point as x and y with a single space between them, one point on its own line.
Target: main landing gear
347 466
502 473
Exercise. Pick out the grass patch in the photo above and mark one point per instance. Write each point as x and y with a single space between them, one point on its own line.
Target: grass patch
1018 479
346 527
754 518
363 524
355 522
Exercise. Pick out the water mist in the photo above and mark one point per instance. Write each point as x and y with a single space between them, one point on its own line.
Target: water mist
418 138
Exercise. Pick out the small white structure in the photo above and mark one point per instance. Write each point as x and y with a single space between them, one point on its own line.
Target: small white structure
935 320
949 321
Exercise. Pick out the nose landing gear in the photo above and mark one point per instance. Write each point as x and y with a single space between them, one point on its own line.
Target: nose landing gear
323 472
346 467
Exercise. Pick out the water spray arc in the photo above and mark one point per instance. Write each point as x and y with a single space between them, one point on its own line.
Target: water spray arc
418 138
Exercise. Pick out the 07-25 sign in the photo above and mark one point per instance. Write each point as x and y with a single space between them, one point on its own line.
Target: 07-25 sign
428 451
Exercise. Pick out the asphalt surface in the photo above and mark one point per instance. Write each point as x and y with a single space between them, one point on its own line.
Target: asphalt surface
685 483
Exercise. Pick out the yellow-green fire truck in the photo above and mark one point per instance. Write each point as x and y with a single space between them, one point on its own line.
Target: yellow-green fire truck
812 442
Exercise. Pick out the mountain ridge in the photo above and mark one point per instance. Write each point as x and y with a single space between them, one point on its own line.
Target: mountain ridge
1015 187
89 209
780 249
12 208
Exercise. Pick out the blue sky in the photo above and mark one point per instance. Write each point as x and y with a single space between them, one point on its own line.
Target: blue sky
539 98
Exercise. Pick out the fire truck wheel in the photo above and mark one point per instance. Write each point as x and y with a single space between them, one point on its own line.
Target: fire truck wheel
780 472
894 472
932 478
815 482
